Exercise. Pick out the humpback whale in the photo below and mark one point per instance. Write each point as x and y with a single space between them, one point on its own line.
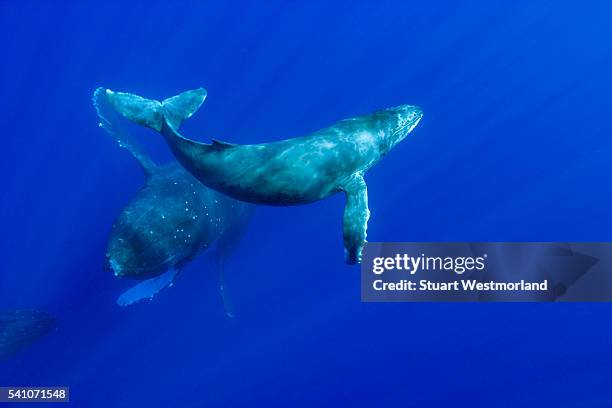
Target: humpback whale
20 328
287 172
172 218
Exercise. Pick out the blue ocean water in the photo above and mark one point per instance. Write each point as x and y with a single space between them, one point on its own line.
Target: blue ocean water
514 145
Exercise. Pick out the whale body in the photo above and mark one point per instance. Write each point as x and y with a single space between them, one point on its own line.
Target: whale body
169 221
287 172
20 328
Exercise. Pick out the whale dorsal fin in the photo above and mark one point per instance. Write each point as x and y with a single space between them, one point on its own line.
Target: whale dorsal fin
218 144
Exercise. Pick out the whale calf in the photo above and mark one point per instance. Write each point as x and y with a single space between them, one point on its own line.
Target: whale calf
287 172
172 218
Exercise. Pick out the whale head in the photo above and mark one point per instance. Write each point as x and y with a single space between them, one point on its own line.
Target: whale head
395 123
160 227
132 254
121 258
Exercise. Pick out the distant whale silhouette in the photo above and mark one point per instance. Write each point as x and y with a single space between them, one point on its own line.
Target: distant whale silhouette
172 218
20 328
288 172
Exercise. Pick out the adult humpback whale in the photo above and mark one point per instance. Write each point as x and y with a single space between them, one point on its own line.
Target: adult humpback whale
288 172
171 219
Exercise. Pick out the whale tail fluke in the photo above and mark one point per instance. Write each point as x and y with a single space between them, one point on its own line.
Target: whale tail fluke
151 113
182 106
109 121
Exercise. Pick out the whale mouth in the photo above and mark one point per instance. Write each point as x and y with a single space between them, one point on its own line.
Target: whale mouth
415 122
408 119
122 267
114 266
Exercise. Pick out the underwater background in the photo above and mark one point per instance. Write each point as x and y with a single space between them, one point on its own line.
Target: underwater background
515 145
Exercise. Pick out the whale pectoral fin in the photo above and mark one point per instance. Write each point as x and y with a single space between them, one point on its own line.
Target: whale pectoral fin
147 288
356 215
227 304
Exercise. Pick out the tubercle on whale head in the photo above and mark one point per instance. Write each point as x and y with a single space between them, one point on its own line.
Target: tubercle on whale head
396 123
